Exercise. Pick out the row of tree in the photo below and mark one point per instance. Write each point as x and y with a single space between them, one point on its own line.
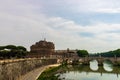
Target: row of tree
108 54
84 53
12 51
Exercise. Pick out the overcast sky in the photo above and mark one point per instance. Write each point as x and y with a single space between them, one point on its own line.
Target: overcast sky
93 25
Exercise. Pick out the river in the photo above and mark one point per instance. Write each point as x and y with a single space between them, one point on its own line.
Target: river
91 72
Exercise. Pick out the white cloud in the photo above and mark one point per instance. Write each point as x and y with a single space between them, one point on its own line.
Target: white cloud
65 33
109 10
100 6
25 26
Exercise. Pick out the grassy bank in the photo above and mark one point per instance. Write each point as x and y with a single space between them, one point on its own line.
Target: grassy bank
49 74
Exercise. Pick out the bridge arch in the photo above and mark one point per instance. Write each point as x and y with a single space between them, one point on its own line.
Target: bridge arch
101 64
105 68
108 61
108 65
94 65
101 60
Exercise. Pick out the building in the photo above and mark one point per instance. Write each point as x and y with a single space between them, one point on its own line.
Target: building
42 49
65 53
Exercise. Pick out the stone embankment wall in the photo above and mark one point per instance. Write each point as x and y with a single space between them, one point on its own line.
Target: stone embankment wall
12 70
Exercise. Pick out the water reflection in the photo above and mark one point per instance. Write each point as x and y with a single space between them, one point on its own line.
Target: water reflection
92 72
108 66
94 65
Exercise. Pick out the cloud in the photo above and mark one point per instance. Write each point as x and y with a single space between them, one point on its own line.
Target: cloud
83 6
22 23
100 6
78 36
64 33
83 12
109 10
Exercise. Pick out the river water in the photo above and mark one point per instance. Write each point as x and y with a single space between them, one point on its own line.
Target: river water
92 72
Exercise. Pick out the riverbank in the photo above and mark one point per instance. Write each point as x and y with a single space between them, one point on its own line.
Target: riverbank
34 74
49 73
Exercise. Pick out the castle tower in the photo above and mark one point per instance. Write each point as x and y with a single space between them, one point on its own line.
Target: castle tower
42 49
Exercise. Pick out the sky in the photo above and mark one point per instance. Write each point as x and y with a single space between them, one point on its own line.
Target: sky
93 25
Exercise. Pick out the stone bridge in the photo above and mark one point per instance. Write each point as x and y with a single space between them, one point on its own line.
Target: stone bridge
100 60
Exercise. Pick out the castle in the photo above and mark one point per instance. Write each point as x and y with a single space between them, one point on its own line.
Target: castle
46 49
42 49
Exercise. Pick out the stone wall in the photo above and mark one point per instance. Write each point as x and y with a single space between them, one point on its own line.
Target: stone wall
14 70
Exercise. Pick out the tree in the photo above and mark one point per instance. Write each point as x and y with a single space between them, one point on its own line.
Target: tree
11 51
82 53
109 53
2 47
21 48
11 47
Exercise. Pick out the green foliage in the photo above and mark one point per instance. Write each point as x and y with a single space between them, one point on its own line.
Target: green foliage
10 51
109 53
2 47
21 48
10 47
82 53
49 74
